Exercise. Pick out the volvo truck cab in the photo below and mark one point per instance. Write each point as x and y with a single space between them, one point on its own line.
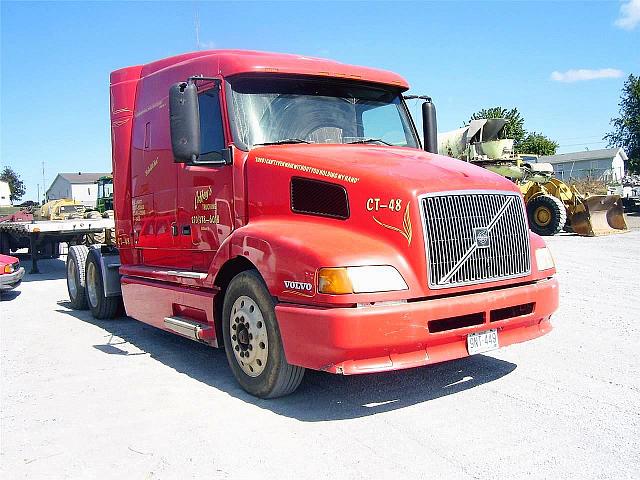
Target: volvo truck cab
282 207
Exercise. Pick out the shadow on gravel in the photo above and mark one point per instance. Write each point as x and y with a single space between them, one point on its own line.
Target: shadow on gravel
9 295
321 396
50 268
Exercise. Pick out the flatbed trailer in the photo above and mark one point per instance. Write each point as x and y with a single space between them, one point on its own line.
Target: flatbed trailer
43 237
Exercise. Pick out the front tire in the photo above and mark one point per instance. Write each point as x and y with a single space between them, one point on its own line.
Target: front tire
547 215
252 339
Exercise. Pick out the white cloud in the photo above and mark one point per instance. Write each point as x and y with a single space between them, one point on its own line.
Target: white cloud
582 74
629 15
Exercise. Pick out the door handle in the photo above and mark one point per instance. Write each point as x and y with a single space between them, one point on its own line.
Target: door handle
186 229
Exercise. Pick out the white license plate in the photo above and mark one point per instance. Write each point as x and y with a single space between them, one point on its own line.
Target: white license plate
481 342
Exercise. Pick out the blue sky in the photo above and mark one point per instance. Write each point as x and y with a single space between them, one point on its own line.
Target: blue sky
56 59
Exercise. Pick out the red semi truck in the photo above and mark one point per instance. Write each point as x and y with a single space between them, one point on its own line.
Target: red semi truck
281 207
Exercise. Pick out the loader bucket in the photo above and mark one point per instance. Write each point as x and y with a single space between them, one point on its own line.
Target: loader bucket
599 215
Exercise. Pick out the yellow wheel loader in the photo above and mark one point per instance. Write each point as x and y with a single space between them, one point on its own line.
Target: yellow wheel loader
588 215
551 204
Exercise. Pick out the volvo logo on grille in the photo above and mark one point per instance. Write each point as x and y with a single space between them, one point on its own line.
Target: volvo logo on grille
481 237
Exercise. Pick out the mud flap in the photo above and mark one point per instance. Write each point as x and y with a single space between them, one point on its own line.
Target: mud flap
602 215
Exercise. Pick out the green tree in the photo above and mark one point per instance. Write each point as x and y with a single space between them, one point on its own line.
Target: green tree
16 186
515 127
537 144
626 128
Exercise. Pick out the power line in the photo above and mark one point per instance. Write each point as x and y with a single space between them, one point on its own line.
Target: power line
599 137
585 143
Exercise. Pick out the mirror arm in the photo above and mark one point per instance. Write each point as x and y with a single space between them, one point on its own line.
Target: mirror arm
201 78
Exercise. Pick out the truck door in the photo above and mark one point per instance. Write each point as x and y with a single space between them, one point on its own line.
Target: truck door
154 184
205 195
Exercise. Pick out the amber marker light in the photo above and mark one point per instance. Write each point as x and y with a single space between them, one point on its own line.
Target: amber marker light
362 279
334 281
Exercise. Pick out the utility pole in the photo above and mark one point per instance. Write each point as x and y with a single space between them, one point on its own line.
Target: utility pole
197 25
43 182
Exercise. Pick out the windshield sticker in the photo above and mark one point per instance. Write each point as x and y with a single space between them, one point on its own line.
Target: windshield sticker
306 168
394 205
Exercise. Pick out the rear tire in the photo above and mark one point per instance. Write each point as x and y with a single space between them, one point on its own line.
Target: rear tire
252 339
547 215
76 262
101 306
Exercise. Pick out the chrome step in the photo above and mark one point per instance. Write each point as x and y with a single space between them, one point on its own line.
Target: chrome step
189 328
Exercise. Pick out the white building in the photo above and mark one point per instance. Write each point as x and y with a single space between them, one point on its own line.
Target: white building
606 165
5 194
77 186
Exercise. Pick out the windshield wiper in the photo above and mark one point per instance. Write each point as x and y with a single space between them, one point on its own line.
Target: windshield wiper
369 140
283 141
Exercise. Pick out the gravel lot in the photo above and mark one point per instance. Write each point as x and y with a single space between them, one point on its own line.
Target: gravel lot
117 399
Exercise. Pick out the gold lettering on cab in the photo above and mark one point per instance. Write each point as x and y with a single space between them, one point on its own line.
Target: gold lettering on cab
376 204
392 205
201 196
201 219
203 200
150 167
123 241
137 209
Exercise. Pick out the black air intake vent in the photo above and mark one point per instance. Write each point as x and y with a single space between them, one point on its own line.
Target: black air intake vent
315 197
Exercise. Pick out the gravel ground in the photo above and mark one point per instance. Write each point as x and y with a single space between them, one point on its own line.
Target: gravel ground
85 399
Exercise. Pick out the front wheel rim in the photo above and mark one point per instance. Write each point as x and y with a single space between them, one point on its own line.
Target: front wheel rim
92 281
249 339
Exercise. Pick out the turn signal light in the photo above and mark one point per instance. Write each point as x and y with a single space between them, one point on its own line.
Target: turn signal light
334 281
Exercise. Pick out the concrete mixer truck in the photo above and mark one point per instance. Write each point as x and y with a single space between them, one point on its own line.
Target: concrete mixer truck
552 205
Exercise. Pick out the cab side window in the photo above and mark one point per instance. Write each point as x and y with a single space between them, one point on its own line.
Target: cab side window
211 133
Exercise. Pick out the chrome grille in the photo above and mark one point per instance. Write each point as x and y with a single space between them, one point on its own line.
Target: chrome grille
456 228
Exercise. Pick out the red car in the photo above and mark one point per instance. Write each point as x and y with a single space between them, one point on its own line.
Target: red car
11 273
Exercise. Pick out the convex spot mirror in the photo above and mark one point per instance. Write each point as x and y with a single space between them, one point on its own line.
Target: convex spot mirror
184 122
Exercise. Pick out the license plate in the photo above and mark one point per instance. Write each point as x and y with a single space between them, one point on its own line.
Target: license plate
481 342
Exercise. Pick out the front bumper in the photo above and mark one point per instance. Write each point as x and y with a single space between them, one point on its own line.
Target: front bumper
379 338
9 281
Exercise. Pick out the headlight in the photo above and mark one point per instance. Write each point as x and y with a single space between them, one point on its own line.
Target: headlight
8 269
368 279
544 259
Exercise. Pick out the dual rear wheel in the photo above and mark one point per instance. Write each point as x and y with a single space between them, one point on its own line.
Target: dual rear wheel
85 284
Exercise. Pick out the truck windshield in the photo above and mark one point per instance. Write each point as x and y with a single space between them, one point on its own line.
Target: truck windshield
70 208
295 110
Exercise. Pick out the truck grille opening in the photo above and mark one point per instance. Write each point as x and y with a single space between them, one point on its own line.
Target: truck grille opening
315 197
452 323
475 237
512 312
